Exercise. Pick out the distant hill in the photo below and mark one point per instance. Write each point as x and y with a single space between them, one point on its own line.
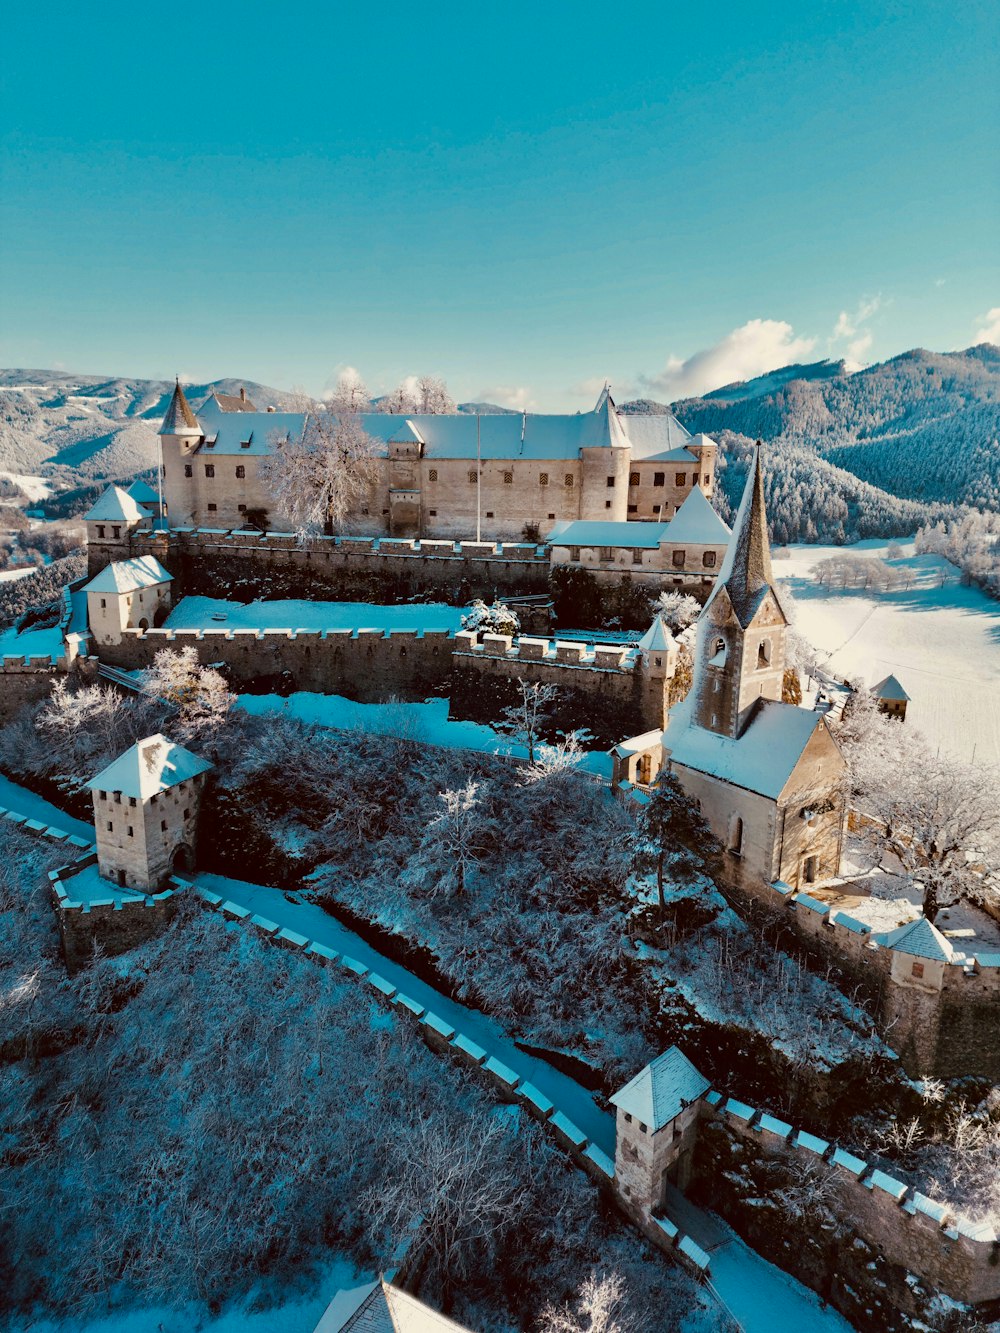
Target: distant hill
776 380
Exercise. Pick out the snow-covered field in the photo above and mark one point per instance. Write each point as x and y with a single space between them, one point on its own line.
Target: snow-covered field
8 575
31 642
35 488
941 640
213 613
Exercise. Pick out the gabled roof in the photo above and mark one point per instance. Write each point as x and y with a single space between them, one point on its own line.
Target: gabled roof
890 690
180 420
698 523
233 402
657 638
149 767
746 570
761 760
116 505
649 740
919 939
659 439
382 1308
142 571
597 532
142 492
662 1090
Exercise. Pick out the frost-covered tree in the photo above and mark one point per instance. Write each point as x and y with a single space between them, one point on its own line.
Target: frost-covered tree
200 694
423 394
453 842
350 394
321 477
526 718
495 619
674 829
598 1308
552 762
678 609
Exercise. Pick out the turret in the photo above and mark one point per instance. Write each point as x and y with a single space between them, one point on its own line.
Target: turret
742 630
109 522
180 437
604 463
657 666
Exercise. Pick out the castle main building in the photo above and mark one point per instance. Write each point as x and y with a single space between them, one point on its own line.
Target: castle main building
438 474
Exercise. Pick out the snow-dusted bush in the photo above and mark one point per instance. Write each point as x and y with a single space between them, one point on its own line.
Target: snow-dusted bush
495 619
199 694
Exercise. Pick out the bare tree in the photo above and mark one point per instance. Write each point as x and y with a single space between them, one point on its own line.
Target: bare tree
350 394
451 834
322 477
526 717
424 394
200 694
598 1308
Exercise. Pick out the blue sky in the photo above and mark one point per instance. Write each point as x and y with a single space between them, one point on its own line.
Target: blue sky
522 199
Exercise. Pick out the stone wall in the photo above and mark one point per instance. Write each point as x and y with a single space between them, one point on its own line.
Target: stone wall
113 925
22 681
846 1229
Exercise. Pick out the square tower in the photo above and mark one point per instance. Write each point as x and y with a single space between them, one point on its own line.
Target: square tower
146 813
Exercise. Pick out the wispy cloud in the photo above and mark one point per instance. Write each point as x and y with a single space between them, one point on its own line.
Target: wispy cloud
850 329
507 395
989 329
754 348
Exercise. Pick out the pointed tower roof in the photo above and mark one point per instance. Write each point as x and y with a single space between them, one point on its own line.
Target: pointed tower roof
603 396
890 689
657 638
149 767
662 1090
180 420
920 939
697 522
116 505
746 571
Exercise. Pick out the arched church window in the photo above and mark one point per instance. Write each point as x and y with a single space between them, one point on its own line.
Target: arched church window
764 654
736 835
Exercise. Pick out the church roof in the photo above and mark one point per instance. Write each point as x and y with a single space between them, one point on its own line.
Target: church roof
381 1308
149 767
116 505
761 760
657 638
662 1090
180 420
142 571
919 939
698 523
890 690
746 570
597 532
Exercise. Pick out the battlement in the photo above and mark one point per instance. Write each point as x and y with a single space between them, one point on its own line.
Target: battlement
619 657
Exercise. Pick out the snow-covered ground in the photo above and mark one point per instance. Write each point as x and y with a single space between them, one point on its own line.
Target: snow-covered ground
35 488
8 575
31 642
428 722
213 613
25 802
940 639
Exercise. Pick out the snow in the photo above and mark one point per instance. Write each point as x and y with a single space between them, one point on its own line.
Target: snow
8 575
697 522
761 760
24 802
662 1090
213 613
116 505
32 642
427 722
942 640
142 571
595 532
88 886
35 488
148 768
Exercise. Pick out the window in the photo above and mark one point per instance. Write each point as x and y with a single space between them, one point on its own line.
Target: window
659 478
433 474
679 478
637 556
188 470
163 826
472 476
611 482
694 480
104 604
118 798
607 553
245 444
607 504
209 469
116 532
764 654
131 801
551 516
508 478
241 509
678 1132
633 509
642 1128
628 1118
241 472
433 513
131 831
210 444
736 835
543 478
917 970
708 559
187 812
100 529
633 479
110 826
678 559
568 480
212 508
489 513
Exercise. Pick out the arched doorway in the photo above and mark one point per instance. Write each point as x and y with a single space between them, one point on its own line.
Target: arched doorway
182 862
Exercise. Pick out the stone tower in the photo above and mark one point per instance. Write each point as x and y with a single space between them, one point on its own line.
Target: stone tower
146 813
656 668
742 630
604 465
180 436
109 523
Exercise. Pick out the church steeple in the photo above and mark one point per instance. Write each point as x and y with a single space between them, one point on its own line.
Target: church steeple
180 420
742 629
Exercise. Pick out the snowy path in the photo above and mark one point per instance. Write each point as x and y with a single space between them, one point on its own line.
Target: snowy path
761 1297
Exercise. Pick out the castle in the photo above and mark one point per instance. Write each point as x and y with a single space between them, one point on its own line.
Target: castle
445 475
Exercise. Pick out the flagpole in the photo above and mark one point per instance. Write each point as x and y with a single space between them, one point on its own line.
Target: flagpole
479 475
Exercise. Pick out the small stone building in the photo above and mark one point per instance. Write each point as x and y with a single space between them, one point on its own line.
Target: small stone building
891 697
127 594
146 813
114 515
656 1129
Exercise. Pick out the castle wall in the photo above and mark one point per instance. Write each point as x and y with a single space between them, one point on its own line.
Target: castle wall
111 925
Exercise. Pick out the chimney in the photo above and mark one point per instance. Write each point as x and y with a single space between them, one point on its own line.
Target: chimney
271 409
243 393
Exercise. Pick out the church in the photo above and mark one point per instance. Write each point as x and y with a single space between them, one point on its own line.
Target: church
447 475
768 776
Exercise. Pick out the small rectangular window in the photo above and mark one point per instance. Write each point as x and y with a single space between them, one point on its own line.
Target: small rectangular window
209 469
508 478
659 479
163 826
213 508
568 480
111 826
241 509
637 556
611 482
628 1118
188 470
433 474
694 480
245 444
116 532
552 516
131 801
633 479
131 831
104 604
187 812
210 444
118 798
679 478
489 513
918 969
633 509
678 559
708 559
543 478
607 553
241 472
433 513
100 529
607 504
472 476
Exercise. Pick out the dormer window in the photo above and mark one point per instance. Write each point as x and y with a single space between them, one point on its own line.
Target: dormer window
245 444
210 444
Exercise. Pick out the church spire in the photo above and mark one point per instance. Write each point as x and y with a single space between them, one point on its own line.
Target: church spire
746 571
180 420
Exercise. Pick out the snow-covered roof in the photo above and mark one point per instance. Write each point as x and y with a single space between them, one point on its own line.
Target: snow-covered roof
180 420
596 532
662 1090
143 493
890 690
761 760
920 939
658 439
142 571
233 402
698 523
638 744
657 638
116 505
379 1307
149 767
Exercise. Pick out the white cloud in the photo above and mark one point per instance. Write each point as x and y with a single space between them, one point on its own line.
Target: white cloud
989 330
850 328
505 395
940 282
756 347
858 349
591 388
